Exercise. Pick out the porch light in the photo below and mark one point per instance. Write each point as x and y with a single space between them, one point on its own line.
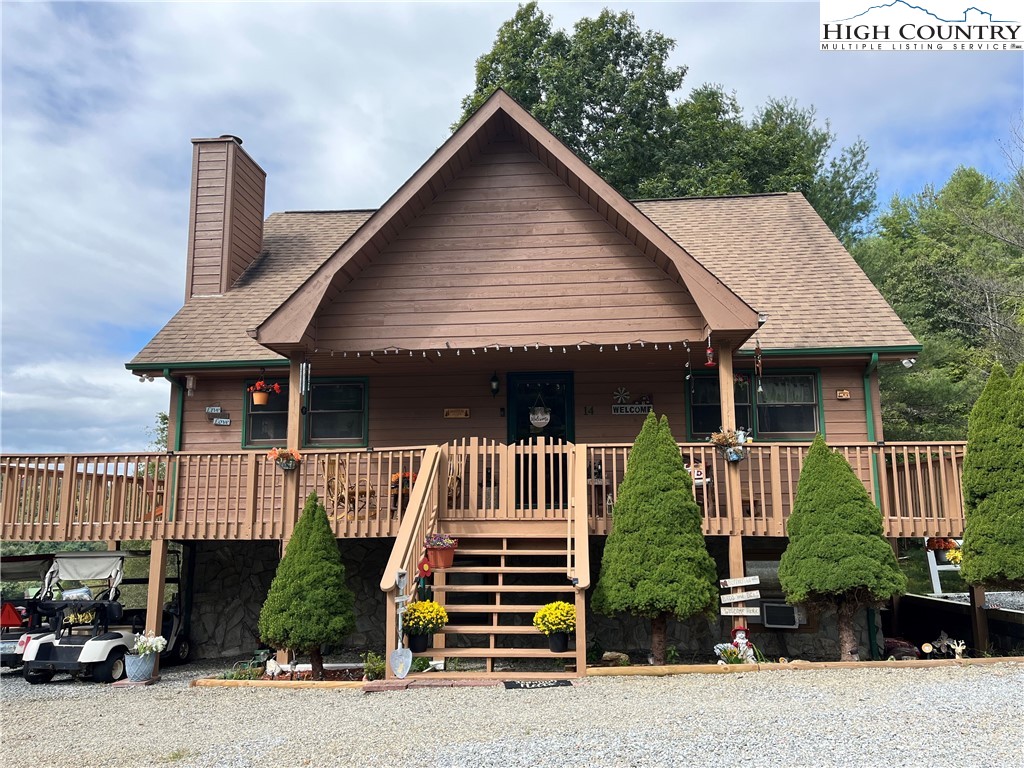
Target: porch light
495 384
909 362
190 385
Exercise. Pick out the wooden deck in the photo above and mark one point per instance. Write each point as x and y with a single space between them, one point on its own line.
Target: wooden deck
242 495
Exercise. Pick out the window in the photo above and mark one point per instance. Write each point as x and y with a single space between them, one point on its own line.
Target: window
786 406
336 413
266 424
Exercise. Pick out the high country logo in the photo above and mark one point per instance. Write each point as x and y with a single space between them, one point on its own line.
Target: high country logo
944 25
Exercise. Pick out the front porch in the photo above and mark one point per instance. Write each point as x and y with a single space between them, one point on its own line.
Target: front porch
242 495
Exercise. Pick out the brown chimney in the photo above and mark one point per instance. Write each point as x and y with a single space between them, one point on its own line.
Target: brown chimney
225 226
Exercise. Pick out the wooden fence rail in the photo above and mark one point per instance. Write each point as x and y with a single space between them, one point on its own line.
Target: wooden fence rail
241 494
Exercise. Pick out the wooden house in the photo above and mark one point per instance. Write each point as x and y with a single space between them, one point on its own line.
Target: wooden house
477 355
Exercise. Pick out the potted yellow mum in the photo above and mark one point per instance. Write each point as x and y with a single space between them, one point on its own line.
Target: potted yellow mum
420 621
556 620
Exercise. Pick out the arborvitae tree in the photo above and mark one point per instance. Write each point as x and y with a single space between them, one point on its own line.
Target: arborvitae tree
655 562
993 549
837 556
309 604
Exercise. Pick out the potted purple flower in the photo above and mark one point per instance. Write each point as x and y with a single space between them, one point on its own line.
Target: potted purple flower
440 549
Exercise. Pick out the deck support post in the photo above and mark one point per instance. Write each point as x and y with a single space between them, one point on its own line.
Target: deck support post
155 593
733 490
292 503
391 638
979 621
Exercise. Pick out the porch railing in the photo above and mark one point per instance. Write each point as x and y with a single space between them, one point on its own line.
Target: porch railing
242 495
916 485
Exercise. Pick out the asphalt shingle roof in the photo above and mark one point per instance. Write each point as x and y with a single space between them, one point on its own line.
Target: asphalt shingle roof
772 250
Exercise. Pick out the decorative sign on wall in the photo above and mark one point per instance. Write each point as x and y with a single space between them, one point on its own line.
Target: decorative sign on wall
456 413
842 394
641 406
218 416
740 610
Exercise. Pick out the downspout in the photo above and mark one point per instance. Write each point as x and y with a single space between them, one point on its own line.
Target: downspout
869 413
179 416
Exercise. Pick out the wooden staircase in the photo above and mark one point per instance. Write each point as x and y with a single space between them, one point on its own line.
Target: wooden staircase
501 577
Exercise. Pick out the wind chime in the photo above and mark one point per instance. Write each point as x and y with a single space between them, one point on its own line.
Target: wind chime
758 365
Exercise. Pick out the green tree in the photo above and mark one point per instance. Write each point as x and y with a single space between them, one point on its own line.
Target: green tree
959 288
837 557
603 90
158 433
713 151
309 605
606 91
993 548
655 562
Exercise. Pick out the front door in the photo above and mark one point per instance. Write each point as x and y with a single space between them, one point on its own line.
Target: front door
540 405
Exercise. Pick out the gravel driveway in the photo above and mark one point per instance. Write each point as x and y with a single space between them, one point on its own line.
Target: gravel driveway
952 716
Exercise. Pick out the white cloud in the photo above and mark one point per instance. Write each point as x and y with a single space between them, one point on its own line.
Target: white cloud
339 103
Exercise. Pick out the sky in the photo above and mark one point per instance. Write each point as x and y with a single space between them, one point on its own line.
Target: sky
340 103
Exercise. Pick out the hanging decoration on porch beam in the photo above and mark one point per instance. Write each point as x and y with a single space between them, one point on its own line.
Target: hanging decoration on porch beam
535 346
758 364
709 353
304 374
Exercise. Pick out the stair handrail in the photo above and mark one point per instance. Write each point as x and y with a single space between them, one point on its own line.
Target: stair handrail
419 520
579 522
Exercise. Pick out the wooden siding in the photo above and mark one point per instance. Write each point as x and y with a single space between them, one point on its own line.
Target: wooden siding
507 254
245 215
407 396
226 216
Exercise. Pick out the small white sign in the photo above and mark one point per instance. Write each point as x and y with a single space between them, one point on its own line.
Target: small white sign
222 422
739 610
739 597
744 581
213 409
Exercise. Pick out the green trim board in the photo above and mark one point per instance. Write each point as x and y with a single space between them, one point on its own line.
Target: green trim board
815 372
221 364
826 351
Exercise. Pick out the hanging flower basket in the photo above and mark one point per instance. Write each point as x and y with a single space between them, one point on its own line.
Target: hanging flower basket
261 391
286 458
730 443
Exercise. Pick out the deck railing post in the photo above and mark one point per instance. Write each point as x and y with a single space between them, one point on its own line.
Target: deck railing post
67 494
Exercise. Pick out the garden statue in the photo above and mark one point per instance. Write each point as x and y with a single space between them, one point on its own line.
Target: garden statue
743 646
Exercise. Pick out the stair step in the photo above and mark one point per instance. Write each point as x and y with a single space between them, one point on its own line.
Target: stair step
486 629
502 588
497 653
497 551
504 569
477 608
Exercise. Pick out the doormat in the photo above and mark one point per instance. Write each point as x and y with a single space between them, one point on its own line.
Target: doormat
516 685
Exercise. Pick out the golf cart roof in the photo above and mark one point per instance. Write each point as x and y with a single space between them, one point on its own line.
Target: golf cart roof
90 566
25 567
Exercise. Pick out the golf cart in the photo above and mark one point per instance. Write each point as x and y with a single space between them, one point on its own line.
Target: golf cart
21 616
88 636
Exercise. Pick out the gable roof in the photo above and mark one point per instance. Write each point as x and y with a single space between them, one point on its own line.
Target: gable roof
290 325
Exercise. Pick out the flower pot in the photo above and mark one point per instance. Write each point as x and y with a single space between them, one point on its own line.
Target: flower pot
419 643
260 398
139 668
734 454
440 558
287 464
558 642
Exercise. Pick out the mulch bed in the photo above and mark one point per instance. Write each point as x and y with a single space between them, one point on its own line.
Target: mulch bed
332 675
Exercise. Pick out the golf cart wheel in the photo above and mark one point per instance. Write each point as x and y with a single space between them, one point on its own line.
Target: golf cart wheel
182 650
112 669
36 676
